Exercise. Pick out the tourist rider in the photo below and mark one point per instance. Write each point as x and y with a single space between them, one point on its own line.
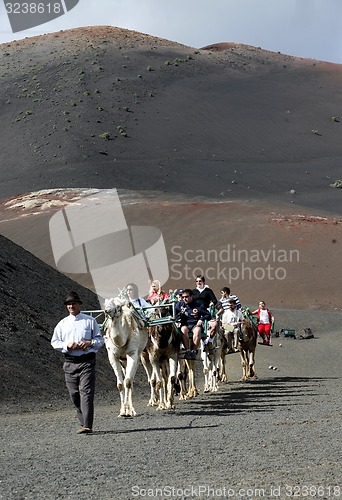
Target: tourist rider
192 316
222 304
156 294
233 318
205 296
265 320
133 296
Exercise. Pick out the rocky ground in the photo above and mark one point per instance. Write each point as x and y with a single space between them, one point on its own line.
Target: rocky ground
275 437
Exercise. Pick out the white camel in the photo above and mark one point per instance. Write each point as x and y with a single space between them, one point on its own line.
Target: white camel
125 338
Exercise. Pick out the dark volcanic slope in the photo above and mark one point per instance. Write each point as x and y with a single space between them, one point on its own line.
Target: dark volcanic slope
31 304
257 121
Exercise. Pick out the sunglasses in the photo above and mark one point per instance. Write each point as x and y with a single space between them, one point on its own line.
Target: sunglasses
185 296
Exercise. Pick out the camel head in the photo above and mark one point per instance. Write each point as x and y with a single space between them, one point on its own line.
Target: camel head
113 307
248 329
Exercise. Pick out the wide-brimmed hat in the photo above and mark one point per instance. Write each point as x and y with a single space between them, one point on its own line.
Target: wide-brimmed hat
72 296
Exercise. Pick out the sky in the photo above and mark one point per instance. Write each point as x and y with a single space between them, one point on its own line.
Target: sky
304 28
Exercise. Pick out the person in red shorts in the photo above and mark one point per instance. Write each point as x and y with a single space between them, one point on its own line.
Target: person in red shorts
265 320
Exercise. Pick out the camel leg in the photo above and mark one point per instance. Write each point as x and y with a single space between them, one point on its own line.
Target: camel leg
205 360
145 361
160 384
171 383
223 368
244 364
117 368
252 372
192 392
215 371
132 364
182 375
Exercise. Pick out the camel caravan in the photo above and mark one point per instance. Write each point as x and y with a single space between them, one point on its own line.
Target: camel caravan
170 333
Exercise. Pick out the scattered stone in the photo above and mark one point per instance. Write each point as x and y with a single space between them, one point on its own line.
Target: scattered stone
337 184
305 333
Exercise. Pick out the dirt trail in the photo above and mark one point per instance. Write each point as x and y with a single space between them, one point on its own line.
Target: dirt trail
269 438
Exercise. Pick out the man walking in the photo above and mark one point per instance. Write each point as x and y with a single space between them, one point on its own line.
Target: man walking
78 337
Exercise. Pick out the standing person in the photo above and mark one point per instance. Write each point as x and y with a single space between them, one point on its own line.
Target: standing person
205 296
78 337
265 320
192 315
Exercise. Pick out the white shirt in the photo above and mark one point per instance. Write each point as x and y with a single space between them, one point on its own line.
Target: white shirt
139 303
77 329
264 317
232 316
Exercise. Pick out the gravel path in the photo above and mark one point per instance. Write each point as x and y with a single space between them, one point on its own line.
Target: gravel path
270 438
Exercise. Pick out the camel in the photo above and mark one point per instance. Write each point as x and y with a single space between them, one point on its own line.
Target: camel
247 347
160 359
125 338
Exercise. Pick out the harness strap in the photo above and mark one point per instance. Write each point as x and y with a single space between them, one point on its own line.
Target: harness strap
103 325
139 316
250 318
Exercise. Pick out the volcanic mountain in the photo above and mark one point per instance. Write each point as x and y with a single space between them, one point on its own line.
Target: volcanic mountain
107 107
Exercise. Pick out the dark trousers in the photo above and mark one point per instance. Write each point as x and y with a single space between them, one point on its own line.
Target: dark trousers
80 381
